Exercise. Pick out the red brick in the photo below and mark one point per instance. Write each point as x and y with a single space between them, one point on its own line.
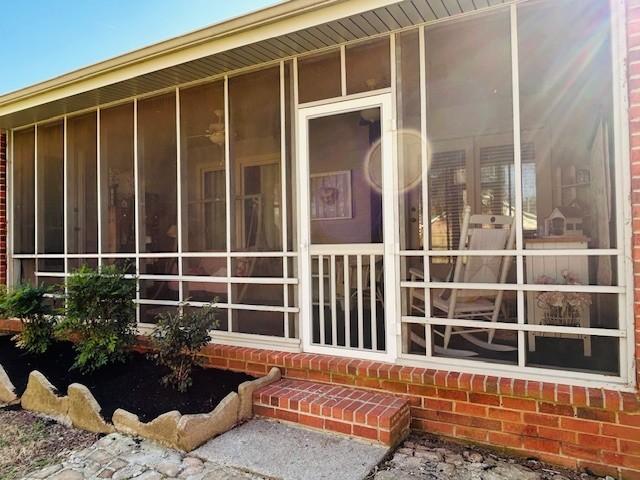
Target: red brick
236 365
503 414
475 434
541 445
422 390
557 434
286 415
629 447
436 404
597 441
485 423
318 376
520 404
629 474
367 382
534 389
365 432
630 420
505 439
390 386
342 379
579 395
596 414
471 409
340 427
484 398
627 433
579 425
311 421
263 411
555 409
520 429
540 419
452 394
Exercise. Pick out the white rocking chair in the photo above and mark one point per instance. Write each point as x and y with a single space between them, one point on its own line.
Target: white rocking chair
478 232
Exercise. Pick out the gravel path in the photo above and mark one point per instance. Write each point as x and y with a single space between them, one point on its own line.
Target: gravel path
426 457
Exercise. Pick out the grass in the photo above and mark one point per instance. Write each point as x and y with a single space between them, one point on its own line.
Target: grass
29 443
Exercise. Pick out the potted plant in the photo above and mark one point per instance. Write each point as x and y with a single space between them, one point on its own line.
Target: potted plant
562 308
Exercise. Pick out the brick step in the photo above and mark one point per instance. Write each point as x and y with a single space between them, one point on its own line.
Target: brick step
377 417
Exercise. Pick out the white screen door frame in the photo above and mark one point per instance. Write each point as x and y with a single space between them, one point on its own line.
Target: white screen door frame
390 233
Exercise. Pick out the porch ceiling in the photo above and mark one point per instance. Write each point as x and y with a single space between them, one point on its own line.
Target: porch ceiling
137 73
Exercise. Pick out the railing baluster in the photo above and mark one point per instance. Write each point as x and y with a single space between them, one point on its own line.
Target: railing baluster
321 297
334 316
347 307
360 307
372 294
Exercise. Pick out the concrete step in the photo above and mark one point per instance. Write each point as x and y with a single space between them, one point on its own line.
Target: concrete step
377 417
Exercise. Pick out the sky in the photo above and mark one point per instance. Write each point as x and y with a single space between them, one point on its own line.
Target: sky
46 38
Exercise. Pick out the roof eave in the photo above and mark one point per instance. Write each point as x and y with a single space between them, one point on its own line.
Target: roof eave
126 65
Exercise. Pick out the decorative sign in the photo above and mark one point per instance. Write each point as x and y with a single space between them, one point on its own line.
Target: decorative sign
331 195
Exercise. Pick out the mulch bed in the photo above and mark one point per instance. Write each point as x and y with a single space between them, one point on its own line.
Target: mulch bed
134 385
29 443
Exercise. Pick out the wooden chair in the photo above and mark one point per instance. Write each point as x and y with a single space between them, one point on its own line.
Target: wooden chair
478 232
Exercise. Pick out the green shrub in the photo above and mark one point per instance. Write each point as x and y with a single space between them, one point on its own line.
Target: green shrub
30 305
100 312
177 339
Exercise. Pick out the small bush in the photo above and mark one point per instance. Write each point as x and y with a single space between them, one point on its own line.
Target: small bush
30 305
101 313
177 339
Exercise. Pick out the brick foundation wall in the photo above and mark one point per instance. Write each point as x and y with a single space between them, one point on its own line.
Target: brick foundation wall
592 429
586 428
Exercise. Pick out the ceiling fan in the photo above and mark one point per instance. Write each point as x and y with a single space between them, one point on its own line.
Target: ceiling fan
215 132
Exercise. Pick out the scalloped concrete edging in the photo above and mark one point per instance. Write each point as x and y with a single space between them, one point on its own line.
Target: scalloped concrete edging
187 432
246 389
78 408
163 429
7 390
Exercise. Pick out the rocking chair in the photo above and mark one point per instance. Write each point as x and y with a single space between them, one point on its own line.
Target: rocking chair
478 232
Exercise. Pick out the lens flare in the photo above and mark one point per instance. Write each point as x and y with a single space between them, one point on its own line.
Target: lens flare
409 161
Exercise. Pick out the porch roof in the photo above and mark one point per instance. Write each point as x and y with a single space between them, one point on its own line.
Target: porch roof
286 29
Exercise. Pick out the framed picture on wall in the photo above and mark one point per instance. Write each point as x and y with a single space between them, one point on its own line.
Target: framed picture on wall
331 195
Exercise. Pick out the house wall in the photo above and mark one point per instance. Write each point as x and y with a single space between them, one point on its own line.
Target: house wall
633 66
591 428
3 207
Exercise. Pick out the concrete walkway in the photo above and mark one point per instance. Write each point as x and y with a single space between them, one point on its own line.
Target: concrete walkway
257 450
291 453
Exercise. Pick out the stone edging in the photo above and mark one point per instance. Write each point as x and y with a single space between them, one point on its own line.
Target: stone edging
7 390
80 409
187 432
